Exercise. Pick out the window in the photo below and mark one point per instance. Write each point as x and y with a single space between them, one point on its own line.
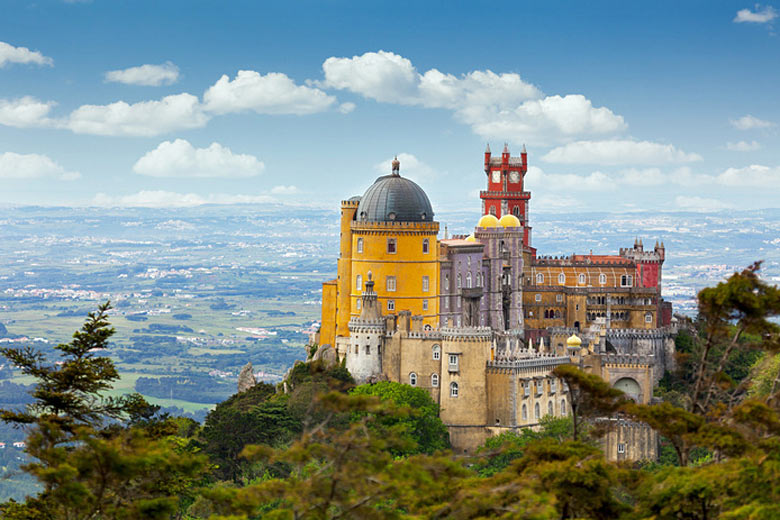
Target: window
626 280
390 305
537 412
561 278
648 318
516 211
446 282
425 283
453 362
425 305
453 389
526 389
602 279
413 379
582 279
426 246
368 349
468 280
359 245
390 282
479 280
391 245
459 282
539 278
538 297
549 408
525 413
552 386
358 303
621 447
446 303
563 407
558 297
435 380
436 352
359 283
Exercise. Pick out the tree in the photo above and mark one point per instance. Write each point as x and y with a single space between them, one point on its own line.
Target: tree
90 465
422 426
589 396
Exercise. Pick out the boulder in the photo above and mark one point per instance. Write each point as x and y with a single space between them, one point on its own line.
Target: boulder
327 355
246 379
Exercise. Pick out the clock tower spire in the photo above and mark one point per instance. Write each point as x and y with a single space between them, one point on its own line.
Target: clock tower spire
504 194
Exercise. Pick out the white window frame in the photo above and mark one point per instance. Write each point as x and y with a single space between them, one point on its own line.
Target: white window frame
454 389
582 279
602 279
390 305
435 380
425 246
621 447
468 280
436 352
426 283
447 282
360 245
390 283
538 298
460 281
425 305
412 379
359 303
539 278
526 389
558 297
359 283
648 317
626 280
562 279
537 411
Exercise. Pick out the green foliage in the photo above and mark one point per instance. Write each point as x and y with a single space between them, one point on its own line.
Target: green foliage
422 427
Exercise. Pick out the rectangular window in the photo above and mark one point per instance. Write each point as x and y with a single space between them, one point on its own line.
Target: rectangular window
425 283
359 283
538 297
425 305
358 303
425 246
626 280
526 389
391 245
390 283
558 297
390 305
453 362
621 447
359 245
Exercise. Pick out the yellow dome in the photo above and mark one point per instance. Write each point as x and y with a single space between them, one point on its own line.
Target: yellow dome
488 221
509 220
471 238
574 341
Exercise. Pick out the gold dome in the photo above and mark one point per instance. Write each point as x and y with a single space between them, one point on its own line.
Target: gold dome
509 220
471 238
574 341
488 221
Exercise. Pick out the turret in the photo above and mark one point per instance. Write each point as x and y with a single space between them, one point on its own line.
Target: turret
487 158
505 155
524 158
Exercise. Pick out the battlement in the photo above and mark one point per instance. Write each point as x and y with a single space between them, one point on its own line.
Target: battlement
639 333
369 226
582 261
628 359
538 361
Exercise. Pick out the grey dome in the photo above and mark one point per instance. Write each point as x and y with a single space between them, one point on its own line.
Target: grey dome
394 198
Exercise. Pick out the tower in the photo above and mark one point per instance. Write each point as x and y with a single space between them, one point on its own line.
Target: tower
504 194
366 338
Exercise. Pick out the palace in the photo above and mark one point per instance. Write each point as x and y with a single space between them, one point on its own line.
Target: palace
480 321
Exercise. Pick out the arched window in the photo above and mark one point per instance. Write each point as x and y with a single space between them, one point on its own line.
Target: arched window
479 280
468 280
563 407
436 352
537 413
359 245
435 380
648 318
460 282
539 278
453 389
357 349
516 211
582 279
359 283
525 413
561 278
427 325
602 279
446 282
425 246
413 379
549 408
557 314
492 210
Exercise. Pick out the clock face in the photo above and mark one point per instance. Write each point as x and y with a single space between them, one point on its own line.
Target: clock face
514 177
496 176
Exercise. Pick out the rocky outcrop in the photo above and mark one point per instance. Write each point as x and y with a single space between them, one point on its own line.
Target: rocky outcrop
246 379
326 354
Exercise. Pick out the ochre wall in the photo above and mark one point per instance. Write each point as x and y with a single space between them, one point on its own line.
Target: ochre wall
328 323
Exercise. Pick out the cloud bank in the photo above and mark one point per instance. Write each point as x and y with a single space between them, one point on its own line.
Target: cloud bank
180 159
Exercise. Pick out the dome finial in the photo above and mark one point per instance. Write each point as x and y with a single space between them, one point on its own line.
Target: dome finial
396 166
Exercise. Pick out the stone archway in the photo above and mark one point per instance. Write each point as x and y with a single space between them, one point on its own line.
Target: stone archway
630 387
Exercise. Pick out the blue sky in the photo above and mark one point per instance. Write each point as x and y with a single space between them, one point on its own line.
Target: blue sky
623 106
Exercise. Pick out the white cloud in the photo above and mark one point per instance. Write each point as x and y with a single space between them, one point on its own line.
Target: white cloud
146 118
755 175
767 14
411 167
180 159
32 166
25 112
616 152
11 54
346 108
743 146
146 75
273 93
749 122
594 181
494 105
695 203
170 199
284 190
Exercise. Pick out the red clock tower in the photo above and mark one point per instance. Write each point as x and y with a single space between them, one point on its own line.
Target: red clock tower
504 194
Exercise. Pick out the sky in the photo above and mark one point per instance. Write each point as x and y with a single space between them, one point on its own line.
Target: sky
622 106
